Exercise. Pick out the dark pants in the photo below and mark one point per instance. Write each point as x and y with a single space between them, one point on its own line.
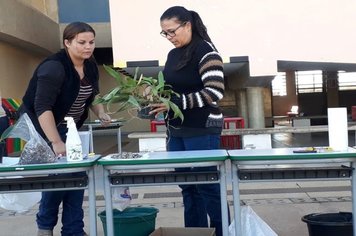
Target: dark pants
4 124
203 199
72 201
72 215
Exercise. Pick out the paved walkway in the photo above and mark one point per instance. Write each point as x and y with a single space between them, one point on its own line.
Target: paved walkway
280 205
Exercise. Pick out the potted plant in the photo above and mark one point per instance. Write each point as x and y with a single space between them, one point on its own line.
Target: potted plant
129 93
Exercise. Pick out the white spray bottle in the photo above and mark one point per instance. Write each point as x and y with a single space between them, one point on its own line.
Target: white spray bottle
73 143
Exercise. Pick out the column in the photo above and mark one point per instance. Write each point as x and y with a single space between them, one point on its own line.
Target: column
241 104
332 88
256 117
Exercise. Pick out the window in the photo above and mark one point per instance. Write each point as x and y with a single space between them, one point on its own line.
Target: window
309 81
279 87
347 80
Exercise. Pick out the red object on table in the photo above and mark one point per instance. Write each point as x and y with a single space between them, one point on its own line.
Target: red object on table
155 123
232 141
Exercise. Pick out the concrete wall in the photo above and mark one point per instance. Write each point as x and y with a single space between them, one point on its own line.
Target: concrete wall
46 7
25 41
16 68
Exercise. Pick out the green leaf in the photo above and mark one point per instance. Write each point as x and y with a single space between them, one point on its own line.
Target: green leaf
111 94
161 82
133 101
128 94
176 110
115 74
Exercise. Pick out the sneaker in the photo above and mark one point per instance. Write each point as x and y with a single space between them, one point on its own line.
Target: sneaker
44 232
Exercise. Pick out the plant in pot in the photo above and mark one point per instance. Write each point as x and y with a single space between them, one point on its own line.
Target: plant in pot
130 93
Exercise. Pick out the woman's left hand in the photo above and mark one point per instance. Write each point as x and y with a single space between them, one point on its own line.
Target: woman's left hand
157 108
104 118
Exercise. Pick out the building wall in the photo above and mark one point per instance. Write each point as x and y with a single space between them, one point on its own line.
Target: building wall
47 7
25 27
25 41
16 68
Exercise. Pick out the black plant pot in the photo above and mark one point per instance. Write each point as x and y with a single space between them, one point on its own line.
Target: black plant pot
143 113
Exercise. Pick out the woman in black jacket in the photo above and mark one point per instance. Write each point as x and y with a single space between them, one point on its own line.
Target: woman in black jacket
64 84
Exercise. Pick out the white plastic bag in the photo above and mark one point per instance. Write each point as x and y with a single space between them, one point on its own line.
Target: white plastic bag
121 198
252 224
19 202
36 149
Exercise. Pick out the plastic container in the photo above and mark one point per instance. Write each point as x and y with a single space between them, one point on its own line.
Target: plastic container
329 224
133 221
85 139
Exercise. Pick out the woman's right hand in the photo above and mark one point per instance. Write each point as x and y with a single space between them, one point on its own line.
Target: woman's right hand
59 148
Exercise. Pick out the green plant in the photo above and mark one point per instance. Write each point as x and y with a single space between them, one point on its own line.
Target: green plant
129 93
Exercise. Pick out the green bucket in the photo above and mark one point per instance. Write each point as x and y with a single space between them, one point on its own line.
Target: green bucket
133 221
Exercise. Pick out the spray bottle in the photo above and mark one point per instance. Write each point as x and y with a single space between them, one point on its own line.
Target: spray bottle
73 143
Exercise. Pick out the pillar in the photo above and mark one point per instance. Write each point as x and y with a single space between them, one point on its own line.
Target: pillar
332 88
256 117
241 104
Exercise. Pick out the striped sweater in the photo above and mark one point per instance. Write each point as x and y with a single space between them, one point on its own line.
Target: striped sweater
201 85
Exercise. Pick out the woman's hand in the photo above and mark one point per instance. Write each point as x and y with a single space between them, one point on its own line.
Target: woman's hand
157 108
59 148
104 118
99 111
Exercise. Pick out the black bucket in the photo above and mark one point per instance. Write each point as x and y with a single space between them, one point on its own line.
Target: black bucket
329 224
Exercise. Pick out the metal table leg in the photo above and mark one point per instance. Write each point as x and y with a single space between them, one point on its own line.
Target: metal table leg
236 200
108 203
92 201
90 127
119 140
223 195
353 194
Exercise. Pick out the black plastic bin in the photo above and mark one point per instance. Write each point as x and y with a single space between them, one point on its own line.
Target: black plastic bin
329 224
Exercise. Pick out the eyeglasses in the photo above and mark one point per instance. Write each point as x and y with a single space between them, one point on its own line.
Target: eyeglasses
171 33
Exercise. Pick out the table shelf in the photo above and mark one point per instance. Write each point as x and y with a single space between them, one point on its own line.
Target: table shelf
295 173
163 177
42 182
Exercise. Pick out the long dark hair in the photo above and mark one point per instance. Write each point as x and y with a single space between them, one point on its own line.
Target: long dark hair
199 30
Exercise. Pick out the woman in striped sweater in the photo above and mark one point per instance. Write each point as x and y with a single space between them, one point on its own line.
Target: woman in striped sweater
194 69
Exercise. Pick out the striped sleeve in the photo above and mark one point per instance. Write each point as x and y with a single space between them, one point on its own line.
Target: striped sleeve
212 75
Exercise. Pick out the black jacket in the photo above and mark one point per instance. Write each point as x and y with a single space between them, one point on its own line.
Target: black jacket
55 86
